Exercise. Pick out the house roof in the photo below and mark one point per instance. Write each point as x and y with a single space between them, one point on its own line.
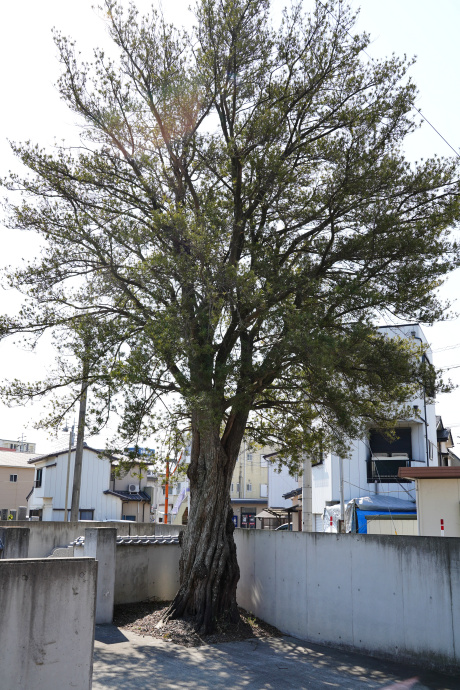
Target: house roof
429 472
280 513
39 458
15 459
128 496
294 492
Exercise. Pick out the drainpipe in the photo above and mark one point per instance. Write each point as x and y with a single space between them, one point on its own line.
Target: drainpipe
307 496
424 357
342 499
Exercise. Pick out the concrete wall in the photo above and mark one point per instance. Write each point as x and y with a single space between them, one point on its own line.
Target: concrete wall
14 542
396 597
47 623
101 545
438 499
146 572
46 536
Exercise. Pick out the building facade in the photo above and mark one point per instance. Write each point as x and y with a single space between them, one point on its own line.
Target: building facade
16 478
105 493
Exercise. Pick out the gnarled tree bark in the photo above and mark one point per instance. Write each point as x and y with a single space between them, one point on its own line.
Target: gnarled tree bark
209 571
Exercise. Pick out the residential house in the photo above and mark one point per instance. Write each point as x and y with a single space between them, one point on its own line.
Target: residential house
21 446
137 489
446 456
373 465
16 477
104 494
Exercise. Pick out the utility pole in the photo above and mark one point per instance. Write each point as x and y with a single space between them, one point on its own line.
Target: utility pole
80 437
66 517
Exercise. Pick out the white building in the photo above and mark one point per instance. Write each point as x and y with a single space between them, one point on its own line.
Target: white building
373 465
103 494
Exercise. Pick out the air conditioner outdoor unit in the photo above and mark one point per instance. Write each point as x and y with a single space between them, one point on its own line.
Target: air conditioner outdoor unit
152 476
133 488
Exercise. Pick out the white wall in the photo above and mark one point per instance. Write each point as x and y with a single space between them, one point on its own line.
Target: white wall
438 499
47 623
392 596
279 483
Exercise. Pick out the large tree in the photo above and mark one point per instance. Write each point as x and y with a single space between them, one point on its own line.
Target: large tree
238 218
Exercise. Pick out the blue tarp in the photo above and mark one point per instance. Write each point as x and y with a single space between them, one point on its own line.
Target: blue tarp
361 516
357 509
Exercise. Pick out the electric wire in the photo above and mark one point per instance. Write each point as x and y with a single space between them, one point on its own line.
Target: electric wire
413 106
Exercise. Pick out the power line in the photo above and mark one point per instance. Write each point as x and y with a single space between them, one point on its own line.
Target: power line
448 347
414 106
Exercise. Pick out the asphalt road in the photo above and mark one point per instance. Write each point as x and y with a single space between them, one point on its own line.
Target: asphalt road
128 661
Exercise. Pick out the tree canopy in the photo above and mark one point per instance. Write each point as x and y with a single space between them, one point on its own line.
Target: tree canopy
238 218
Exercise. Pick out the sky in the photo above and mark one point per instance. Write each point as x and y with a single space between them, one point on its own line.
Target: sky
31 110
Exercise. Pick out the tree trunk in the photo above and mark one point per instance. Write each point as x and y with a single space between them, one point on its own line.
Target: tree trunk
209 569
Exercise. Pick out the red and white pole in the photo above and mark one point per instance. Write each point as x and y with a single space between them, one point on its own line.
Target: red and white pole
442 528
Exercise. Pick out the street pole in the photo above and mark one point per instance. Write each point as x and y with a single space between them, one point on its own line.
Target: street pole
79 448
66 518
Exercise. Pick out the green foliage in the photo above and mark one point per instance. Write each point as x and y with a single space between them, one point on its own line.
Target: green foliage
238 218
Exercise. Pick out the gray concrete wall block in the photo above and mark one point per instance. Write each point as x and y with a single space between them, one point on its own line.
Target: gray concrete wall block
47 630
100 543
146 572
15 542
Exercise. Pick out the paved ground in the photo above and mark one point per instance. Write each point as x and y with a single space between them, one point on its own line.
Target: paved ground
128 661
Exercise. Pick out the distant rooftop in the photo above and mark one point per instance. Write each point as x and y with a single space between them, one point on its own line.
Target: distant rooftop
15 459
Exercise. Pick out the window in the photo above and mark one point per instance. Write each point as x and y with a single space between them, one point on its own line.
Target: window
87 514
13 477
238 488
249 457
231 488
249 486
36 514
38 478
386 457
263 490
132 518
